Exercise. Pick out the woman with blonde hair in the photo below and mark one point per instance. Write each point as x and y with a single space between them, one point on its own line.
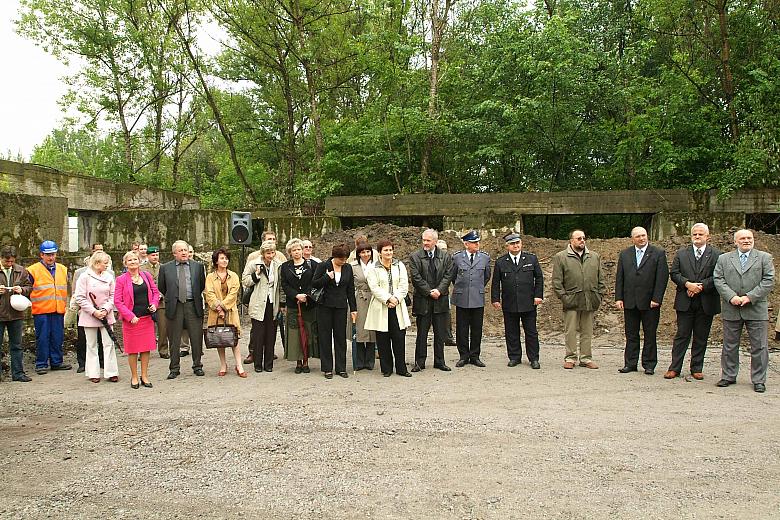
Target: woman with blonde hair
222 286
296 275
261 275
136 299
95 298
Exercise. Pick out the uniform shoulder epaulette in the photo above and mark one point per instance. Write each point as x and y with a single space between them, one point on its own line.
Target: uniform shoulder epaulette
480 252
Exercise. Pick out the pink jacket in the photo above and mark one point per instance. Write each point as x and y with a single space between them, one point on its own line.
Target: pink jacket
102 287
123 297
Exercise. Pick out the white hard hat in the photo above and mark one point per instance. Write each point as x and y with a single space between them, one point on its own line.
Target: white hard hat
20 302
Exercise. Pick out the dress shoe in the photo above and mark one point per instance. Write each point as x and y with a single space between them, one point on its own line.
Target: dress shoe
306 369
94 379
41 371
568 365
146 384
450 343
461 363
478 363
173 375
113 379
443 368
649 371
184 353
23 378
135 386
759 387
513 363
258 370
589 364
63 366
387 374
241 374
268 369
298 369
535 364
328 375
698 376
343 374
724 383
199 372
80 370
626 370
416 368
670 374
165 356
249 360
405 374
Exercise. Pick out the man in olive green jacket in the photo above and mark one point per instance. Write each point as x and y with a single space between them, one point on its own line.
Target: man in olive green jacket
578 281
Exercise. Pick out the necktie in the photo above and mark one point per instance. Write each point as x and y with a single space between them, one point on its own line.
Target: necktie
639 253
471 258
743 260
698 254
431 265
514 259
182 282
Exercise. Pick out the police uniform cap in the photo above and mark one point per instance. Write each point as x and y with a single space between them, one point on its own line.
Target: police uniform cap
471 236
512 237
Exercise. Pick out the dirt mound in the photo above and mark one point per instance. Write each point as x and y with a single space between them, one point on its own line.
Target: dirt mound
609 320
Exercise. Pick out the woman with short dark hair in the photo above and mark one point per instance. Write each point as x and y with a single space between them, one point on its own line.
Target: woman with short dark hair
387 312
364 357
222 286
336 278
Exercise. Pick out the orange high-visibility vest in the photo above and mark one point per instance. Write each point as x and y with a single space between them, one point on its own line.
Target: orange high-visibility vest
49 294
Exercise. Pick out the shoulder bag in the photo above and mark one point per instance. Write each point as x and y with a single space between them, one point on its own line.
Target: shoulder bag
221 336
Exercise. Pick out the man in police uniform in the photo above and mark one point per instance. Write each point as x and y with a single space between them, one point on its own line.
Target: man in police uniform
517 288
49 298
471 273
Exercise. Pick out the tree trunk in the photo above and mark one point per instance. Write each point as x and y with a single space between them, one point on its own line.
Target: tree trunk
727 76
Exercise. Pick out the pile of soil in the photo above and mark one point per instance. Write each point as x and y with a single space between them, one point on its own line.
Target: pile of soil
608 327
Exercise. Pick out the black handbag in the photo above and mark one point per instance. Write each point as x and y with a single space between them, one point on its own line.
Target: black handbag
221 336
247 295
317 295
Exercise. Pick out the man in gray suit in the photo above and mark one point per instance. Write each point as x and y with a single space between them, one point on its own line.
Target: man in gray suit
181 283
744 278
471 273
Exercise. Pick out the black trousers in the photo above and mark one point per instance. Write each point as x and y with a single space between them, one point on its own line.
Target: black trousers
440 326
364 355
332 333
185 318
468 332
262 339
512 321
693 322
392 344
81 348
649 321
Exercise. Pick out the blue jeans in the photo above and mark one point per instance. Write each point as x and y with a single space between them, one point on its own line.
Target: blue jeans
49 335
15 329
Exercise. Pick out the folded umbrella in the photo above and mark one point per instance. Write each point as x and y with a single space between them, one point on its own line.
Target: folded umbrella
106 326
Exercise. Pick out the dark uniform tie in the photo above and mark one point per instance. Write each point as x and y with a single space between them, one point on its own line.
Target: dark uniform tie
431 265
471 258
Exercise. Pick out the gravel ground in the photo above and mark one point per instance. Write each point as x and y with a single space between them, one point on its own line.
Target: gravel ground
473 443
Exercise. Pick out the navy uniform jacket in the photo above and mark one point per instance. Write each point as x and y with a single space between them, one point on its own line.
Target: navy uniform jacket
470 279
517 286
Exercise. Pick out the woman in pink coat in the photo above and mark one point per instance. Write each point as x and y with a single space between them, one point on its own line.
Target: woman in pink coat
136 298
95 298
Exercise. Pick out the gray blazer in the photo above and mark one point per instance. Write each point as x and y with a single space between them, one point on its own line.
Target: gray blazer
469 279
756 282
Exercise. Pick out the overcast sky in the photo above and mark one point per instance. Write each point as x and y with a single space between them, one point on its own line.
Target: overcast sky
29 89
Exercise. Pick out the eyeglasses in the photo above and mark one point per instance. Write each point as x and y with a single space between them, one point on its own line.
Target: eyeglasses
579 238
308 247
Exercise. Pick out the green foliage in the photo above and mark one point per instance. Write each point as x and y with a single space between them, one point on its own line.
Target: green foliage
333 97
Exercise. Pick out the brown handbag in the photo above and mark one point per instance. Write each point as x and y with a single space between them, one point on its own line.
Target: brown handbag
221 336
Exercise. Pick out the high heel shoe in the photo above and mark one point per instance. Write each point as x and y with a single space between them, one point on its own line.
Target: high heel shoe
134 386
222 373
146 384
241 374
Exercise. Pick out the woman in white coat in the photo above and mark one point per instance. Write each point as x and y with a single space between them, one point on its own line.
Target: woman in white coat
261 274
387 312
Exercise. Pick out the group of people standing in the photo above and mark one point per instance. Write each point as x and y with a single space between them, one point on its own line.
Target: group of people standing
365 295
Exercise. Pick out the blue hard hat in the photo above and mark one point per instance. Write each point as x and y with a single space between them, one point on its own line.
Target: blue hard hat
49 246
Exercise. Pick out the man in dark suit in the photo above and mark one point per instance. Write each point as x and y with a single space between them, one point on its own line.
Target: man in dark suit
696 302
517 288
181 282
744 278
642 275
431 273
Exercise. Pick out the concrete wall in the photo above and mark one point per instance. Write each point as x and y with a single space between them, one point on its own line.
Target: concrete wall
87 193
117 230
299 227
27 220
